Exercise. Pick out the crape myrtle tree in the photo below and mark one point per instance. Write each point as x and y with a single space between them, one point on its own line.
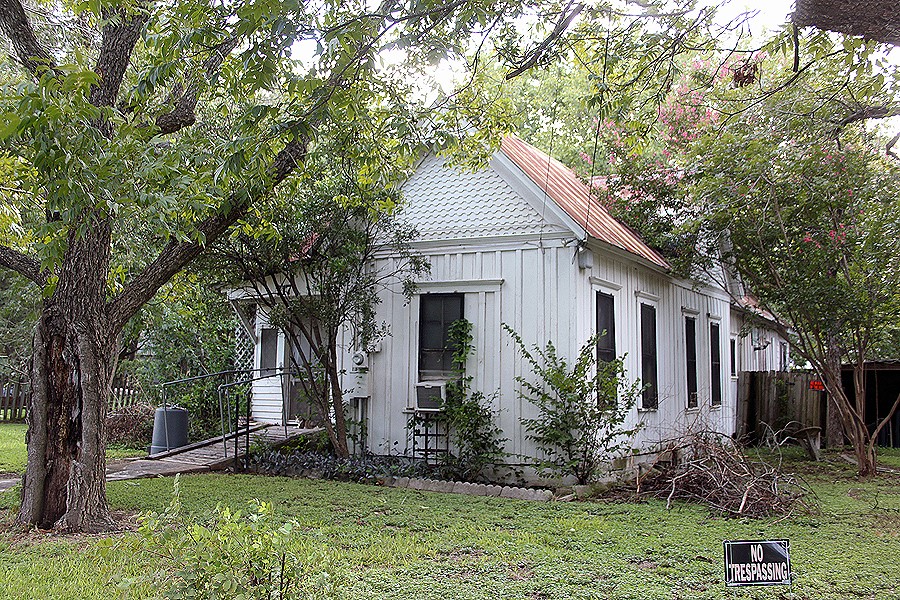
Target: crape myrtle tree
810 224
315 276
615 65
769 161
140 132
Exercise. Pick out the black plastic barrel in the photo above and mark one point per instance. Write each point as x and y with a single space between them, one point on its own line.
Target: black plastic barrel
170 429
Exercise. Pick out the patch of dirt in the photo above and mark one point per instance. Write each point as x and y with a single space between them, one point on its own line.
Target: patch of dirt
460 554
644 564
858 493
520 572
126 522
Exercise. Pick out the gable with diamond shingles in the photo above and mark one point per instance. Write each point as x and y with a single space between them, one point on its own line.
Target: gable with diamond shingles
448 203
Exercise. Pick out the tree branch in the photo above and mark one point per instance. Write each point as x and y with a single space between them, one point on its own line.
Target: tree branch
15 25
177 254
567 16
22 264
889 148
186 103
868 112
883 422
120 34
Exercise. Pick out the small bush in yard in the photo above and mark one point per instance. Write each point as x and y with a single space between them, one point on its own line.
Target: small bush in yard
244 555
582 408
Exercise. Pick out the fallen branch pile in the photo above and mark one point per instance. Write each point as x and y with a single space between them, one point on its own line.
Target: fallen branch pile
710 469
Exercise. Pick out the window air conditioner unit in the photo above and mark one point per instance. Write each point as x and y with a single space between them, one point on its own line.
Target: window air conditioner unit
430 396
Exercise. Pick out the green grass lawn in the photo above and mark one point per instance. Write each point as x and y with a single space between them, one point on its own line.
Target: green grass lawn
395 544
13 456
12 448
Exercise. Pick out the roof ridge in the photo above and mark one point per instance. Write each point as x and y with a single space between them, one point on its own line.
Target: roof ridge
562 185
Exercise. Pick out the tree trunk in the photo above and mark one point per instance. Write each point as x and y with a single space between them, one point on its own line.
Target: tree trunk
865 452
337 403
834 426
72 366
853 417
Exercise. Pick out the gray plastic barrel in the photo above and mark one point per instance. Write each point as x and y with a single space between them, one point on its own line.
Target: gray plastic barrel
170 429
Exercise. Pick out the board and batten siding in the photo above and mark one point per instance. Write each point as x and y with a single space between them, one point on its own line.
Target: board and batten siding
520 258
631 285
538 288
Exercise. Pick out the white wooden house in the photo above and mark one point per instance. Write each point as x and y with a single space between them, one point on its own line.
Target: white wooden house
523 242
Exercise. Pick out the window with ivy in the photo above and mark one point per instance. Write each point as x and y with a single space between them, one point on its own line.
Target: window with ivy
436 313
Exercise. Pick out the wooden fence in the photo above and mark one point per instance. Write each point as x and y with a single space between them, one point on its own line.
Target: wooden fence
122 397
14 399
770 401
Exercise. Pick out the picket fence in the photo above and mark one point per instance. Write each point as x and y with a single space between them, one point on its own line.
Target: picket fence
14 399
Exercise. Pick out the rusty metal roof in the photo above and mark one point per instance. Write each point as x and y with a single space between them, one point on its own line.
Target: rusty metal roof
564 187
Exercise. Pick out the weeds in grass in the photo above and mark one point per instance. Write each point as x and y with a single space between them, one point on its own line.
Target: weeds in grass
233 554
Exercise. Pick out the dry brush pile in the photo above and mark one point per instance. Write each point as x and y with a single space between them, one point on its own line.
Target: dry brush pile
711 469
131 426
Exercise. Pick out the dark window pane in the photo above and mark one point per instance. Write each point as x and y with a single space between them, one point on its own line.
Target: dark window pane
431 360
432 335
650 395
690 338
436 313
453 308
268 350
431 308
733 349
715 365
606 327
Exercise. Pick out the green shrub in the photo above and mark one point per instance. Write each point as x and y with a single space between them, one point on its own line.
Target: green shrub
582 408
234 554
189 332
475 442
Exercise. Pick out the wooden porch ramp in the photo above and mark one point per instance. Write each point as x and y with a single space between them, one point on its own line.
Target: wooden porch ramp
207 455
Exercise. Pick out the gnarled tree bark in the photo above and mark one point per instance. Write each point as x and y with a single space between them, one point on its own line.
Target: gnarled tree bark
71 373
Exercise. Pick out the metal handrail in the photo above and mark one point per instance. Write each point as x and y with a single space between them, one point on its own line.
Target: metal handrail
222 389
167 384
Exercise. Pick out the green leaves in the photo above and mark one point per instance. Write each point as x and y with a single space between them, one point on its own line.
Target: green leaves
474 436
232 554
9 124
582 408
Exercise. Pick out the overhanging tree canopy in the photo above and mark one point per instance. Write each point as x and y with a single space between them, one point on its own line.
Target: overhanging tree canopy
787 184
139 132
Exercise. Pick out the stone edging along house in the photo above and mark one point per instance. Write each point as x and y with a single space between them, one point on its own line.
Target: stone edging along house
523 242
